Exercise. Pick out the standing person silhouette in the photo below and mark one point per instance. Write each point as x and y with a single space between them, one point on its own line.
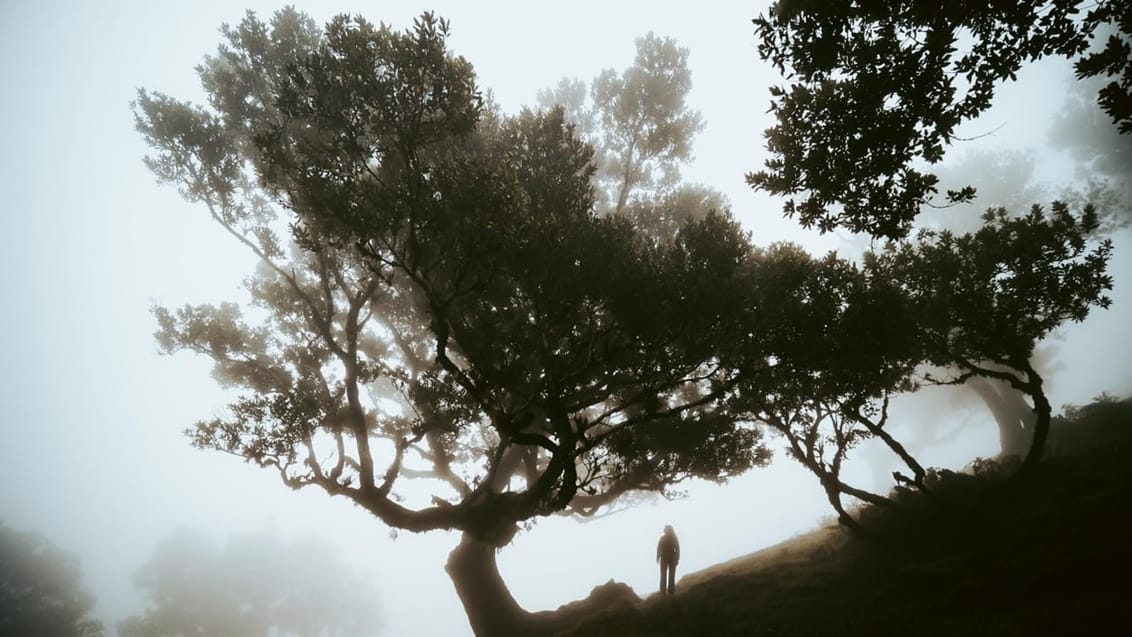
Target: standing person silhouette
668 555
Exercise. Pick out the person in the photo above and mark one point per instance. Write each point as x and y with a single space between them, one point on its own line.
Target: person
668 556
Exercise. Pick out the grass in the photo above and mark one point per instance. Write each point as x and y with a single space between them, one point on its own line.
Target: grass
1050 555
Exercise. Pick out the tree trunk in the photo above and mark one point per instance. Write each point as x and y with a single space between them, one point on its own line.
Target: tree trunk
843 517
1014 417
491 610
897 448
1041 431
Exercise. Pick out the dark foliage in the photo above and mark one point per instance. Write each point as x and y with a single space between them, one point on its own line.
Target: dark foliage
876 88
456 260
455 309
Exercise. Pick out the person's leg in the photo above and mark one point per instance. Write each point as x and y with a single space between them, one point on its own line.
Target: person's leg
663 579
671 579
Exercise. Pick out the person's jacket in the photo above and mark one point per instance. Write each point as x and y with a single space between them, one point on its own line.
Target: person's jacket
668 549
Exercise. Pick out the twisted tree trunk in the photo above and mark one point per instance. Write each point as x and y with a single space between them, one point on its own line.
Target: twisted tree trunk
491 610
1015 418
1042 413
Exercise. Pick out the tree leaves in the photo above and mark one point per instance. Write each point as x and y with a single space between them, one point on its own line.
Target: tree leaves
878 89
995 293
638 122
458 310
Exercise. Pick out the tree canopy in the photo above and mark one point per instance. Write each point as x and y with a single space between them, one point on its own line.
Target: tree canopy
495 292
455 310
984 300
877 89
876 92
639 125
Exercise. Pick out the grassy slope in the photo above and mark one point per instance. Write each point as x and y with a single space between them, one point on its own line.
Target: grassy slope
1051 556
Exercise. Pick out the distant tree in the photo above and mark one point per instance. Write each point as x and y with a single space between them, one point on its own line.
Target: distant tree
1002 179
572 96
647 128
878 87
1103 157
637 121
40 589
255 584
457 311
662 216
190 594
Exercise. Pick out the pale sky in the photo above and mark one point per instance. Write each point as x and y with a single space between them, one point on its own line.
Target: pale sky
92 416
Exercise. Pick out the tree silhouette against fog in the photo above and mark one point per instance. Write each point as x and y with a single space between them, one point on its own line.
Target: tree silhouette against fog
253 584
877 88
1004 180
1009 180
873 90
457 312
41 592
1103 163
984 300
844 344
1102 156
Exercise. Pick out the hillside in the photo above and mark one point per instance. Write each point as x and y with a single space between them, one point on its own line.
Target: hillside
983 556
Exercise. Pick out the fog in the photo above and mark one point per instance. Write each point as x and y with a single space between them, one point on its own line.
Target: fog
92 419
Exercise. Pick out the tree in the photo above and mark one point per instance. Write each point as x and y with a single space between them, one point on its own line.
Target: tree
455 310
1103 157
255 584
876 91
984 300
844 341
845 338
40 589
1007 180
189 594
638 122
876 88
1004 180
662 216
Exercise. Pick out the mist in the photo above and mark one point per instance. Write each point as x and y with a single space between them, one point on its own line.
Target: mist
94 418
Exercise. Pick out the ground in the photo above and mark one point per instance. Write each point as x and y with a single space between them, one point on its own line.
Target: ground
1049 555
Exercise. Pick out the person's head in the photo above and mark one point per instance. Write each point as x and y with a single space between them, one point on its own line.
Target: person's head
668 529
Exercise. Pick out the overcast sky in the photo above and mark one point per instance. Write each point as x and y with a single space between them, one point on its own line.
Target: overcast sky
91 416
